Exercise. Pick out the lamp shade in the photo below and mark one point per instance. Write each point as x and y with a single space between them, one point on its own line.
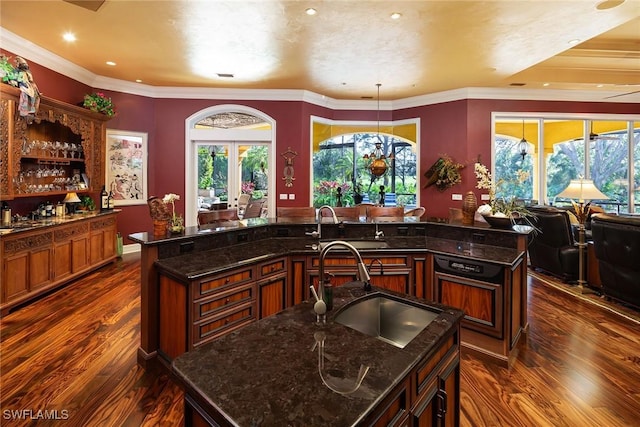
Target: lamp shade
582 189
71 198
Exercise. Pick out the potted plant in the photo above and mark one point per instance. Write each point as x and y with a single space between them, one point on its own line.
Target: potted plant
501 212
87 204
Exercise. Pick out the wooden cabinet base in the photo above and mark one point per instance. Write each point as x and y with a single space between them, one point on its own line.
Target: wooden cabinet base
43 259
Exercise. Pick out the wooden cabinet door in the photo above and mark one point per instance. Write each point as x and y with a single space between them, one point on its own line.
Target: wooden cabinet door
439 401
272 296
425 411
15 276
96 247
79 254
62 258
109 243
449 385
40 268
298 286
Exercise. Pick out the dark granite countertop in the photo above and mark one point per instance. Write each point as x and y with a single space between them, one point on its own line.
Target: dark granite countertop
267 374
30 225
199 264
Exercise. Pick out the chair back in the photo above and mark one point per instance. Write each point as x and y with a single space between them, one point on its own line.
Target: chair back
553 249
362 208
349 213
254 209
385 211
243 200
296 212
419 211
207 217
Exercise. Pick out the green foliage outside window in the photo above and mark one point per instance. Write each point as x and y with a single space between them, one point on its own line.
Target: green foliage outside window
205 168
609 168
340 161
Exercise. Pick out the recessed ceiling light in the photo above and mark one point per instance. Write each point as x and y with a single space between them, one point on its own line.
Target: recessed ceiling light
69 36
599 85
138 81
113 64
574 41
545 84
396 15
311 11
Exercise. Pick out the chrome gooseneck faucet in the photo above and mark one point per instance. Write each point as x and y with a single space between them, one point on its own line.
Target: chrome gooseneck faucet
318 232
362 274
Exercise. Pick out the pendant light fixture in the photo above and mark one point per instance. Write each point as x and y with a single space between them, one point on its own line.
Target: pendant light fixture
376 162
523 145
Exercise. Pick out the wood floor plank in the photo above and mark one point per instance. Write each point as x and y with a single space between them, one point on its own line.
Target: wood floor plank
75 350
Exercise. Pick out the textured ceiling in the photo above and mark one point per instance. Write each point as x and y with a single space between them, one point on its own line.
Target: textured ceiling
347 47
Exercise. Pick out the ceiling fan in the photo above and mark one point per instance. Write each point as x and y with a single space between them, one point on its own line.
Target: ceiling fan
597 137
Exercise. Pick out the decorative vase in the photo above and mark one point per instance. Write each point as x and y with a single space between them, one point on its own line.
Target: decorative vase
159 227
469 207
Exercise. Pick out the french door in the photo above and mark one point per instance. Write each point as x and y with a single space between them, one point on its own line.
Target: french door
228 169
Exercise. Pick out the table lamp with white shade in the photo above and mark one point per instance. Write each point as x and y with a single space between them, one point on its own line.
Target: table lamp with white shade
71 199
581 190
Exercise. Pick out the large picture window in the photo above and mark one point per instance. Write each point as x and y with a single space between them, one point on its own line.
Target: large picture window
340 173
601 148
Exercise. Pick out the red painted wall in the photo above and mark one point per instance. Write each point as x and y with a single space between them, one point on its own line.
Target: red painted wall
461 129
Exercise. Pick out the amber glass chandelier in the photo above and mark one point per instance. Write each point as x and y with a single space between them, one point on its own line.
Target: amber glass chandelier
376 162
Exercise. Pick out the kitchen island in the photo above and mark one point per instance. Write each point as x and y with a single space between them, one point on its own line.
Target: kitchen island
288 370
210 282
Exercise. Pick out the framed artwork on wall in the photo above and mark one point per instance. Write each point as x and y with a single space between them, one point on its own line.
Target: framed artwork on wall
126 167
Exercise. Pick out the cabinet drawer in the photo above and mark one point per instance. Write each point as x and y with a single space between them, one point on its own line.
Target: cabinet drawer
348 260
272 267
223 301
426 371
212 327
223 281
67 233
25 243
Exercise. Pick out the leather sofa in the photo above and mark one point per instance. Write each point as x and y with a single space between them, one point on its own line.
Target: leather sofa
616 241
553 248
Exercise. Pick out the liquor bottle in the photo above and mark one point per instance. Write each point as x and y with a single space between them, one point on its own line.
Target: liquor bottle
110 200
104 199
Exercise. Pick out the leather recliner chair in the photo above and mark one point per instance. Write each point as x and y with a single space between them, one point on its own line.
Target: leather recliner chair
553 249
616 241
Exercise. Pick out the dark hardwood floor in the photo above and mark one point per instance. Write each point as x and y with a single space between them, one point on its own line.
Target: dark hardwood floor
74 352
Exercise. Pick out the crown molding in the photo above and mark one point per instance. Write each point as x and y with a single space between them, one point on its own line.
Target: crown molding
45 58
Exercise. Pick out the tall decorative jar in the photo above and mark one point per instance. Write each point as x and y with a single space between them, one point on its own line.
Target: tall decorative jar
469 207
